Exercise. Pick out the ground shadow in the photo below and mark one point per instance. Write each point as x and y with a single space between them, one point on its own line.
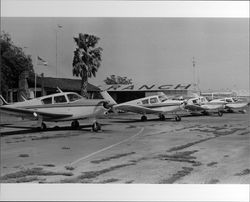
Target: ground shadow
86 128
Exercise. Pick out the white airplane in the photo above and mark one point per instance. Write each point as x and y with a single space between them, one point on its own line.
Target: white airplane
156 104
63 106
232 104
201 104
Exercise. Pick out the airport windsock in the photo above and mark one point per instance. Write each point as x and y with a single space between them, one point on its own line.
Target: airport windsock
41 61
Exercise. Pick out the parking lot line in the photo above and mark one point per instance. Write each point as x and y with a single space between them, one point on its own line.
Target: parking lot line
106 148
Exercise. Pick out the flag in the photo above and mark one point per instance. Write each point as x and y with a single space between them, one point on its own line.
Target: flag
41 61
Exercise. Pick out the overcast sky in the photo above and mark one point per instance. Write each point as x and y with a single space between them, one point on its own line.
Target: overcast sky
147 50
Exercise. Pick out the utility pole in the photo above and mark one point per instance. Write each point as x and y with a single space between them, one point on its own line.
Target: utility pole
194 75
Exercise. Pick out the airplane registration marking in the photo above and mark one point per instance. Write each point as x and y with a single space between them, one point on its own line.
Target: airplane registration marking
106 148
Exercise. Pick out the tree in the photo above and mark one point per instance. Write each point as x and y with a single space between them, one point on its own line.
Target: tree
87 59
13 63
117 80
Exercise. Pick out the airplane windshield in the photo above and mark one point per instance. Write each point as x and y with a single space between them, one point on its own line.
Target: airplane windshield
73 97
163 98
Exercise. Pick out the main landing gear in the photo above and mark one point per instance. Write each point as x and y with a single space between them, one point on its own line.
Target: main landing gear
220 113
177 118
75 124
162 117
42 126
144 118
96 126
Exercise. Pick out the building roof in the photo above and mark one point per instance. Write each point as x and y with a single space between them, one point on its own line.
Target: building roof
64 84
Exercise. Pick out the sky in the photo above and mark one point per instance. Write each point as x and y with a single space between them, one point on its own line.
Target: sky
147 50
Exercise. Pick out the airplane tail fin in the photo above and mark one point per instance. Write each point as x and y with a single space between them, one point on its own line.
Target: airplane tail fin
3 101
107 97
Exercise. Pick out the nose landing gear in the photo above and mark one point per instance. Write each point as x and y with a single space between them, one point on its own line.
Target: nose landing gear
96 126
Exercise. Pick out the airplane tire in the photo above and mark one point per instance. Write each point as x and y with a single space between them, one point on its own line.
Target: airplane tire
220 113
205 113
243 111
43 126
75 124
143 118
177 118
162 117
96 127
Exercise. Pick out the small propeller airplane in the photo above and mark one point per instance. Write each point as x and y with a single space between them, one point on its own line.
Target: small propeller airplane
201 104
156 104
62 106
232 104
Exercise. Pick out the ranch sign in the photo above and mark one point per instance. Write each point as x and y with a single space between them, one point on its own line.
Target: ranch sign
145 87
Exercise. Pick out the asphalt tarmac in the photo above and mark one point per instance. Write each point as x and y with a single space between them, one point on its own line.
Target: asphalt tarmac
196 150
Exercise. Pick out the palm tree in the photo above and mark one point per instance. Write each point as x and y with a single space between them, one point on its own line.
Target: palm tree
87 59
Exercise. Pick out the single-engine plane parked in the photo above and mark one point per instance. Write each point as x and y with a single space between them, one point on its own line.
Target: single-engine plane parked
202 105
156 104
232 104
63 106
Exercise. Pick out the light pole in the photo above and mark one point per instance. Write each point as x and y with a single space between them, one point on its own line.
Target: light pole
57 28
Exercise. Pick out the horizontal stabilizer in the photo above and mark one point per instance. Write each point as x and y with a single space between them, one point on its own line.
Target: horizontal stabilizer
107 97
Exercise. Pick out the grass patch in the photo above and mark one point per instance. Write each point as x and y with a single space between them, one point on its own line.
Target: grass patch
112 157
69 168
54 136
181 157
87 177
109 181
65 148
212 163
48 165
24 155
129 182
244 172
213 181
21 180
245 133
188 145
31 172
182 173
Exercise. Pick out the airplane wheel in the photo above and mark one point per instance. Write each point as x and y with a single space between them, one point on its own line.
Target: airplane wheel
162 117
143 118
220 113
96 127
177 118
243 111
43 126
205 113
75 124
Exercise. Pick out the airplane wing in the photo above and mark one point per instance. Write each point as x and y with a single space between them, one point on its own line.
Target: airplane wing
203 107
136 109
32 113
236 105
194 107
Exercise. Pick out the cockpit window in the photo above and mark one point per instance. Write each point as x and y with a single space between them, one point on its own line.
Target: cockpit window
163 98
60 99
47 100
235 99
144 102
153 100
195 101
229 100
73 97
